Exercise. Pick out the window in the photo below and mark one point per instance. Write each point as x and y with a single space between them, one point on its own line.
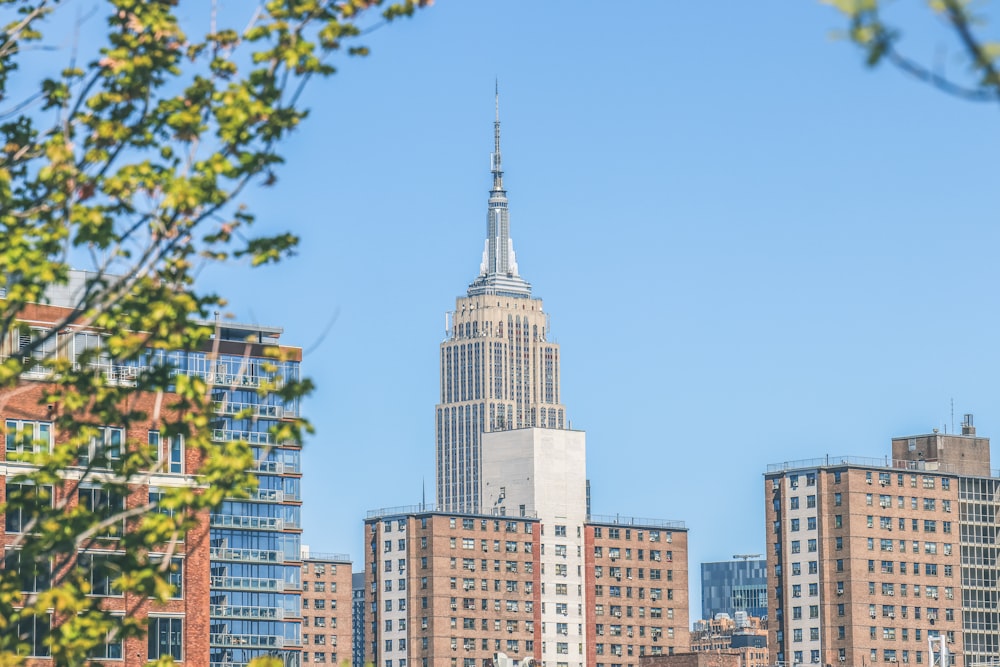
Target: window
28 436
104 504
109 650
560 531
21 501
101 572
104 447
166 637
33 575
838 499
33 631
794 525
168 451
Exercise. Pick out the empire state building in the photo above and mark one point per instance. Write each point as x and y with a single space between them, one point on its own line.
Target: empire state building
499 371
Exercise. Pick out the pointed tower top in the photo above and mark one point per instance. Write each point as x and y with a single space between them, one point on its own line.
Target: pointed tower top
498 271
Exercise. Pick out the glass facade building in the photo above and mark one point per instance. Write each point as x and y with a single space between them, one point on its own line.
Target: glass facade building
256 566
732 586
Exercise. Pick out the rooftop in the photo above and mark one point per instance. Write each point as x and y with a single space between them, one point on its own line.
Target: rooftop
885 463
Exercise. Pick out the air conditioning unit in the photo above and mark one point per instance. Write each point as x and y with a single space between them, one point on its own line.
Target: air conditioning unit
891 593
868 481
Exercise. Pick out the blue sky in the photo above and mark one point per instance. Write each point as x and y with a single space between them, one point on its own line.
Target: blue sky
752 248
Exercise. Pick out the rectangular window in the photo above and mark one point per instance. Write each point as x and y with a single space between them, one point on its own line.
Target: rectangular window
34 576
28 436
23 503
105 447
167 452
33 632
166 637
105 505
101 571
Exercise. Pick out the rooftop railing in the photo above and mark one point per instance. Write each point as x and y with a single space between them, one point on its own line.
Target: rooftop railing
635 522
885 463
328 557
430 508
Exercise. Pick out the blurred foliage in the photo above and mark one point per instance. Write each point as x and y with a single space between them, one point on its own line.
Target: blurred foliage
130 162
881 40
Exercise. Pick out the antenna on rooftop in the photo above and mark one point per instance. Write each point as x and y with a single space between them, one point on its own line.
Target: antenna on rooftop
746 557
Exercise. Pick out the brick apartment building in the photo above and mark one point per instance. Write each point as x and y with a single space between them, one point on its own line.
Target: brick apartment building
886 561
177 628
449 589
326 608
457 589
637 580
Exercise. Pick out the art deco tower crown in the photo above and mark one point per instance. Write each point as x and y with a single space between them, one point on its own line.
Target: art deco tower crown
499 371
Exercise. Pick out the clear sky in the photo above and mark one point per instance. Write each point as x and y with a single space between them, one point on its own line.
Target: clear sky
752 249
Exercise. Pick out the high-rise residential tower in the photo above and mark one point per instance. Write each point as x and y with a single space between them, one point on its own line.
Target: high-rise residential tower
499 371
890 560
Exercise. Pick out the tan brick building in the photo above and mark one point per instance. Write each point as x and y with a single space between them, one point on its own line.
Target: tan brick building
637 584
179 627
450 589
865 557
326 608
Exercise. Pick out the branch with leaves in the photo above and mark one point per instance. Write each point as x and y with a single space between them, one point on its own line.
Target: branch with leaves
881 41
132 166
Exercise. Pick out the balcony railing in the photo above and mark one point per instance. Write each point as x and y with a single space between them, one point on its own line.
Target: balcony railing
257 522
247 641
248 584
252 437
230 408
247 555
261 613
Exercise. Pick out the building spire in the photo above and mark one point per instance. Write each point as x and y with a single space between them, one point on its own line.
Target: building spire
498 271
495 165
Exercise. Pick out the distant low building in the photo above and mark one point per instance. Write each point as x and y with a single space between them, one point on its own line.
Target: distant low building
692 660
739 635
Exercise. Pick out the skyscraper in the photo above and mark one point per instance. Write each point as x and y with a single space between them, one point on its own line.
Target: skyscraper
499 371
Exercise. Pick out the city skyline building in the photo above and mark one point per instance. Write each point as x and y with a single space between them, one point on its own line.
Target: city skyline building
731 586
499 370
886 560
256 566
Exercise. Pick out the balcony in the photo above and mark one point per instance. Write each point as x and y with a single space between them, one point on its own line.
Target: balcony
252 437
248 584
250 522
261 613
231 408
247 555
248 641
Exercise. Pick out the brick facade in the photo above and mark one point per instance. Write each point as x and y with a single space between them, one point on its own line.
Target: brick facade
326 609
27 403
